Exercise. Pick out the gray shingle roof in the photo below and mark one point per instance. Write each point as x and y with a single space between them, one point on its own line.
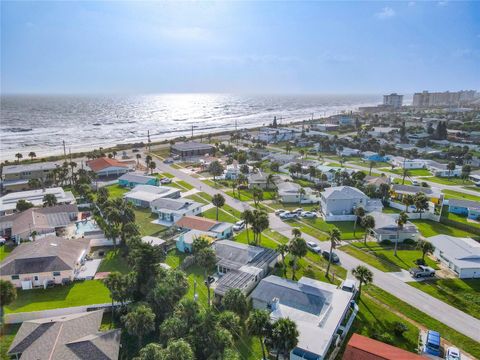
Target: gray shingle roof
464 203
191 145
343 192
138 178
173 204
410 189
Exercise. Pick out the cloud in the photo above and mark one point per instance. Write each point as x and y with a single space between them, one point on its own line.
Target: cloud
253 58
387 12
442 3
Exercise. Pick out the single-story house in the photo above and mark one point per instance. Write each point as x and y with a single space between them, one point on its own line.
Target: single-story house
241 266
275 135
379 131
439 169
377 180
154 241
258 179
47 220
468 208
342 200
317 308
373 156
219 229
360 347
404 163
462 255
15 177
8 203
290 193
192 149
281 158
73 336
170 211
130 180
185 240
398 191
386 228
105 167
231 172
143 195
325 127
348 152
51 258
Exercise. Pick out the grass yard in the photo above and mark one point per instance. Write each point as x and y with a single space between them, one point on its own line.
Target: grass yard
116 191
264 241
400 181
308 229
222 215
366 163
447 181
431 228
144 218
197 198
453 336
460 219
278 205
78 293
462 294
7 334
391 210
184 184
474 188
305 268
5 250
451 194
411 172
247 195
113 261
345 227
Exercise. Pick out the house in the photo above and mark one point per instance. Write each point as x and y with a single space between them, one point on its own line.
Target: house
386 228
155 241
379 131
344 120
404 163
325 127
258 179
217 229
468 208
73 336
231 172
281 158
15 177
143 195
373 156
184 242
170 211
48 259
291 193
192 149
348 152
275 135
377 180
398 191
462 255
47 220
342 200
105 167
241 266
439 169
8 203
130 180
317 308
360 347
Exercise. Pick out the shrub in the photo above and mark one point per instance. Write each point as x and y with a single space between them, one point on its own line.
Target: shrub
386 242
187 262
420 262
399 328
409 242
383 337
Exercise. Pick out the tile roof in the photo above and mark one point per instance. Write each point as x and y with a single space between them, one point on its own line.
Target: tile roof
196 223
103 163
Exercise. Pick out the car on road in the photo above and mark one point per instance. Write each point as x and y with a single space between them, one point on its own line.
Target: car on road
2 241
415 183
279 211
453 353
326 256
314 247
432 343
288 215
168 161
308 214
165 180
422 271
239 225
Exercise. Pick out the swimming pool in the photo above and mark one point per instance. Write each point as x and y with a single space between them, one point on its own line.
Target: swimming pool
84 226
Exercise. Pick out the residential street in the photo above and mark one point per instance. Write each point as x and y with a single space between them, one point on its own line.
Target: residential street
437 309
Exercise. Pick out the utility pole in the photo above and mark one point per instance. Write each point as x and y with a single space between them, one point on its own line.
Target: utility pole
149 141
64 152
195 295
192 131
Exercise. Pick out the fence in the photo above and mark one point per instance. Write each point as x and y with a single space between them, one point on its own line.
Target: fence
414 215
340 217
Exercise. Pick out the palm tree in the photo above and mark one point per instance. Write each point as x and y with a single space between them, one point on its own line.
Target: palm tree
33 235
368 223
247 216
296 232
359 213
152 166
371 166
284 336
32 155
298 249
49 200
363 275
335 236
426 247
257 325
260 222
401 221
18 156
283 249
408 200
8 293
139 322
206 259
302 193
269 181
138 156
148 158
218 201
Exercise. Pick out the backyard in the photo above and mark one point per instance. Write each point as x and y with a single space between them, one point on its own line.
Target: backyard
5 250
447 181
113 261
144 218
116 191
431 228
451 194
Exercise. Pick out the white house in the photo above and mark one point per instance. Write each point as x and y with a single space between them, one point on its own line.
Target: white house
386 228
170 211
317 308
275 135
342 200
462 255
404 163
290 193
144 195
439 169
348 152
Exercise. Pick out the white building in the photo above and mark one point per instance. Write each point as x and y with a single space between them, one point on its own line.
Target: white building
170 211
348 152
404 163
439 169
462 255
144 195
290 193
394 100
317 308
386 228
275 135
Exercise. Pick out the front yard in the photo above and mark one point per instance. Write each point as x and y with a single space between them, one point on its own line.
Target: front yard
144 218
451 194
5 250
345 227
431 228
447 181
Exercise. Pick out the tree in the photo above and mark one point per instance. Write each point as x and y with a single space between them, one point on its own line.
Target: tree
270 181
230 321
301 193
334 236
152 165
34 184
284 336
49 200
288 148
420 200
368 223
248 217
215 169
199 243
139 322
450 167
363 275
8 293
102 195
258 324
371 164
34 235
118 285
385 191
218 201
426 247
298 249
148 158
206 259
257 194
408 200
296 232
401 221
32 155
283 249
234 300
18 156
144 259
150 351
260 223
23 205
359 213
466 170
405 174
178 350
138 156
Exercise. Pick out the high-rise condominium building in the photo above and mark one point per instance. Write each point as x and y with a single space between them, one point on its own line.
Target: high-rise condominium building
446 98
393 100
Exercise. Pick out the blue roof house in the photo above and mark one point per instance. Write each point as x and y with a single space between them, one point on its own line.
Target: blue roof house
130 180
468 208
373 156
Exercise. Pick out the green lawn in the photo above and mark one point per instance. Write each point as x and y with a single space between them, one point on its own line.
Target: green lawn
305 268
5 251
247 195
113 261
7 334
78 293
225 213
144 218
447 181
197 198
450 194
462 294
379 164
413 172
116 191
309 230
185 184
264 240
460 219
400 181
391 210
345 227
474 188
431 228
277 205
451 335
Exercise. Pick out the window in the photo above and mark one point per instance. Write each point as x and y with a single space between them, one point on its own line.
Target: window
15 277
56 273
35 278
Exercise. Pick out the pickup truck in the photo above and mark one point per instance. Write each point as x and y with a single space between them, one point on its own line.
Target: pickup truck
422 271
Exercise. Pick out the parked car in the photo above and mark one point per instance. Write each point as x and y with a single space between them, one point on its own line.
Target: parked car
453 354
2 241
432 343
297 211
349 285
279 211
422 271
239 225
168 161
288 215
308 214
326 256
415 183
210 280
165 180
314 247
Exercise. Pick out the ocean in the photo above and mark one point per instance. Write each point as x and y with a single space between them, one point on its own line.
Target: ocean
41 123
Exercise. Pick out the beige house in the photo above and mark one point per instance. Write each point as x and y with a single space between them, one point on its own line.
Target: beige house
49 259
15 177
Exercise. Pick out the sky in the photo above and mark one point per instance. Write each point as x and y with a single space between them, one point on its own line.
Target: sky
70 47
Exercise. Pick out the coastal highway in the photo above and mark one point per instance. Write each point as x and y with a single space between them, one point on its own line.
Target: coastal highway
452 317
